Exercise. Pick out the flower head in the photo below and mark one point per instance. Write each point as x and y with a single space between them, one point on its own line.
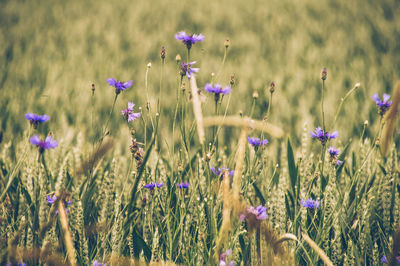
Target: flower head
324 73
129 114
323 136
119 85
182 185
384 260
35 119
49 143
220 171
310 203
53 199
189 40
151 186
333 153
186 69
223 257
96 263
256 142
217 89
383 105
259 213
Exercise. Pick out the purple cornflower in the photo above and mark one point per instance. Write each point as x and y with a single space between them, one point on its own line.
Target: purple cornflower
186 69
323 136
256 142
19 264
383 105
333 152
35 119
310 203
333 155
220 171
151 186
129 114
260 213
223 256
217 89
96 263
182 185
119 85
384 260
49 143
189 40
53 199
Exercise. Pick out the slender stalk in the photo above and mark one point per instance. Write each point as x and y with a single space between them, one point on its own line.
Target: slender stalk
147 96
12 174
342 101
322 105
222 64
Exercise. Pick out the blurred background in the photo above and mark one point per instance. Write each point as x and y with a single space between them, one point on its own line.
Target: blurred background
52 51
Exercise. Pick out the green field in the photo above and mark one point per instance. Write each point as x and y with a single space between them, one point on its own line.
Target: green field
51 52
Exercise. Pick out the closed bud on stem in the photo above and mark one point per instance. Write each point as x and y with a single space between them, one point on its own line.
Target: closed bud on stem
178 58
324 73
163 53
232 81
93 88
227 43
255 94
149 65
366 123
272 87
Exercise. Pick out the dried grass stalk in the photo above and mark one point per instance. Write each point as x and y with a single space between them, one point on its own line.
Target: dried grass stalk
237 176
197 109
317 249
67 234
237 121
390 121
226 214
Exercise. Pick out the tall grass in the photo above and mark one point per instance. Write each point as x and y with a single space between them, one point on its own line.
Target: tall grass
51 55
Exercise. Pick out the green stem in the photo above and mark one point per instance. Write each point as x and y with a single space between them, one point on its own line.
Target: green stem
12 174
341 104
222 64
322 105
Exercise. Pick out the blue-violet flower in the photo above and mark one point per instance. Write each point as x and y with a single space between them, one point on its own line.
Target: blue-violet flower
35 119
129 114
323 136
383 105
310 203
189 40
49 143
187 69
119 85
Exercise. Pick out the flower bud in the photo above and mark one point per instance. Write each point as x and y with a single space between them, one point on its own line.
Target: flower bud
324 73
366 123
227 43
272 87
178 58
255 94
93 88
357 85
163 53
149 65
232 81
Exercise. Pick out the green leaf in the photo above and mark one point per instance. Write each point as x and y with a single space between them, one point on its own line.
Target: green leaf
259 194
292 167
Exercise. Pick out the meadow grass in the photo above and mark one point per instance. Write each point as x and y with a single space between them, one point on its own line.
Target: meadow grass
149 191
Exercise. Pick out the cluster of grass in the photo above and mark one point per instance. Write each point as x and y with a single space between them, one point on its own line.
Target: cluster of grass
52 53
